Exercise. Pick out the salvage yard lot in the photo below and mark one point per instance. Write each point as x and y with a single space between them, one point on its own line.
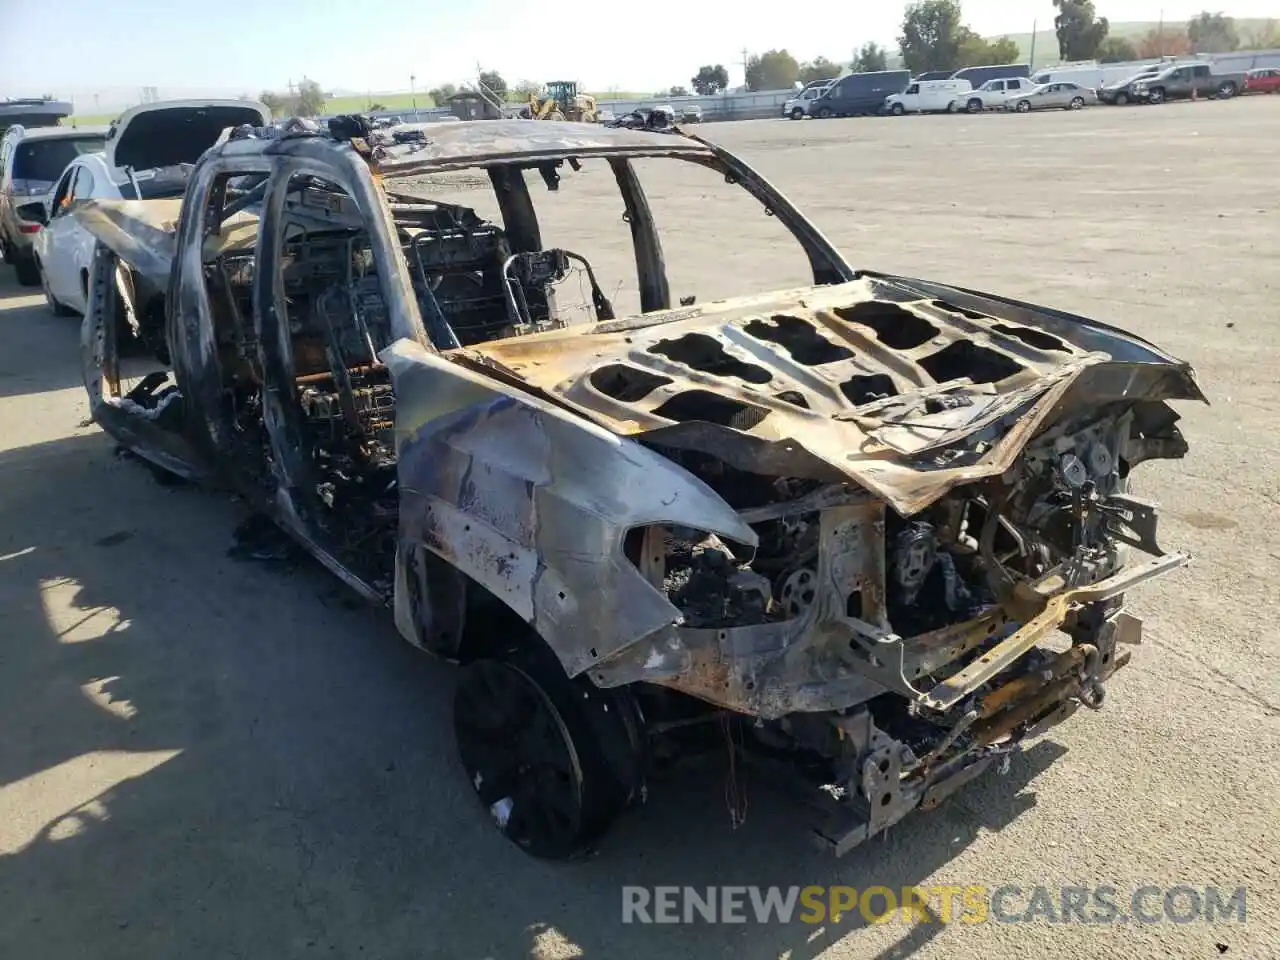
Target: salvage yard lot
201 757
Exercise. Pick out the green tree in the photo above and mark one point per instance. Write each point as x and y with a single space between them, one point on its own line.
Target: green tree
278 105
710 80
1117 50
493 80
871 58
820 68
977 52
524 88
772 70
440 95
376 107
932 32
1213 33
310 99
1080 30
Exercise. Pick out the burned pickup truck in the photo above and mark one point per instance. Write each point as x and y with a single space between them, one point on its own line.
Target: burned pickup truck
876 530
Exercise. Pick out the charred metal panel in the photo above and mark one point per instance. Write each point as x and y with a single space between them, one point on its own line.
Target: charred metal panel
532 502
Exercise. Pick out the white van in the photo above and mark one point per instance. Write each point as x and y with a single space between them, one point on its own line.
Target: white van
927 96
797 107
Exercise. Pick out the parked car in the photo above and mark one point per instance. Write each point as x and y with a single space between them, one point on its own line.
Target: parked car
1263 80
31 161
149 154
799 107
691 113
994 94
1187 80
1053 96
859 94
32 113
927 96
1125 91
878 526
978 76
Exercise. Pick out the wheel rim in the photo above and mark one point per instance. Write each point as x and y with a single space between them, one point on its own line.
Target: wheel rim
1157 96
519 757
1077 103
1024 107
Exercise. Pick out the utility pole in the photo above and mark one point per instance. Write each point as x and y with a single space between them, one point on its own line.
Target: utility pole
745 58
1160 35
413 95
1035 25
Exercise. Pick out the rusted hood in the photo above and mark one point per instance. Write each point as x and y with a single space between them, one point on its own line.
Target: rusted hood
904 387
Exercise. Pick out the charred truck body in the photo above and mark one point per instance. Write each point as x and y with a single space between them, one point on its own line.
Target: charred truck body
880 525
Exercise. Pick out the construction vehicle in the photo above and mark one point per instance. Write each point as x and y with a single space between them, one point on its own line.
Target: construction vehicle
562 101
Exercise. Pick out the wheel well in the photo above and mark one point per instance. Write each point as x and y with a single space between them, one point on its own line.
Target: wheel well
454 616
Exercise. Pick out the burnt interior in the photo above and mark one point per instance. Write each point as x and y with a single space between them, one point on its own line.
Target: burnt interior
470 285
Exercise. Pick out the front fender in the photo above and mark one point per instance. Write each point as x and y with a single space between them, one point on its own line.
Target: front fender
532 502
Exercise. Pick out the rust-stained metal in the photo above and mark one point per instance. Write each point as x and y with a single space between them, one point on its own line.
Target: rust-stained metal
790 507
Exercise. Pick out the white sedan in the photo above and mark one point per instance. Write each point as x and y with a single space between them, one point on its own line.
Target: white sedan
149 152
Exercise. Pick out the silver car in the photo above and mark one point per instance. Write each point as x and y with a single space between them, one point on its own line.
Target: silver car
1061 95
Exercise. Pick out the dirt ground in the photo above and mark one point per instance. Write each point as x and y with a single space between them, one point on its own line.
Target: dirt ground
201 757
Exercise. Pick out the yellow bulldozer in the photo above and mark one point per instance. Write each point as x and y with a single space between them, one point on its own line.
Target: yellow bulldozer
560 100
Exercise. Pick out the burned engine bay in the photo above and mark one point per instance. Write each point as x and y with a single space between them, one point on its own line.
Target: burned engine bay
880 526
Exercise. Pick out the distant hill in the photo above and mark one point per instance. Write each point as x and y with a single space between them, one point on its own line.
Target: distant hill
1047 40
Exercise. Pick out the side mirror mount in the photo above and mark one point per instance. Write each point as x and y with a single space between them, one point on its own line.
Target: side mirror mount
34 213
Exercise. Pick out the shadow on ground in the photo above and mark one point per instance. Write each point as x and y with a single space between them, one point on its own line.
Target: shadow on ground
209 758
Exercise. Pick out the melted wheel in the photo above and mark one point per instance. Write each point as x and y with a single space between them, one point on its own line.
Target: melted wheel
533 747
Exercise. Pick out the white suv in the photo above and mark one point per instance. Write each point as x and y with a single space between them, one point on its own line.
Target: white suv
994 94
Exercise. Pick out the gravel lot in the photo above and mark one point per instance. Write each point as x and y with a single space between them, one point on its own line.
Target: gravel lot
203 758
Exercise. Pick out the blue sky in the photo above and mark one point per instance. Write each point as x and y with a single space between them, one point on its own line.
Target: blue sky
112 48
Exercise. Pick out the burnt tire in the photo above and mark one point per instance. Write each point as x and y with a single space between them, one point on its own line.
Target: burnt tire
26 270
554 760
